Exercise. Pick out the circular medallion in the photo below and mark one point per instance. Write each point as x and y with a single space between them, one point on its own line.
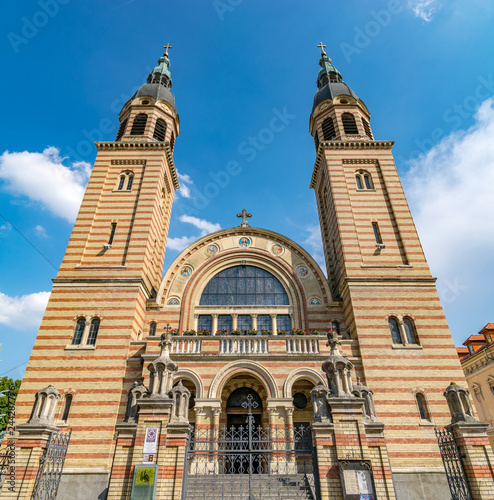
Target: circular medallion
315 301
277 249
173 302
211 250
244 242
300 400
302 271
186 271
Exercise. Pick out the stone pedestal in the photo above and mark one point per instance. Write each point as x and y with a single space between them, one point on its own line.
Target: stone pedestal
477 457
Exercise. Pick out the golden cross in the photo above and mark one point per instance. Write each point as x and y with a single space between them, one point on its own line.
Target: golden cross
167 46
323 52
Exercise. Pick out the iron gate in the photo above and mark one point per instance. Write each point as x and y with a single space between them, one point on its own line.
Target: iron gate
250 463
457 480
51 466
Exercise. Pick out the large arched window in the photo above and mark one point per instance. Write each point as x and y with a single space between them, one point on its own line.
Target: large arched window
244 286
79 331
139 124
240 396
349 123
160 130
93 331
328 130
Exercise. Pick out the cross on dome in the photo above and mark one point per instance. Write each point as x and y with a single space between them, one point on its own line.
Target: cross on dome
322 46
166 47
244 215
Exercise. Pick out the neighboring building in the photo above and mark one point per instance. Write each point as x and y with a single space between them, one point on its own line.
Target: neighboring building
100 367
477 361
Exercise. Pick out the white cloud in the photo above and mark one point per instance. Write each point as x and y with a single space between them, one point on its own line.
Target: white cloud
425 9
313 242
181 243
205 226
184 189
450 193
40 231
5 229
45 180
23 312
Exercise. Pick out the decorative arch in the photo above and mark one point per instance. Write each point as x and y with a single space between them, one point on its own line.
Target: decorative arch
297 375
246 366
186 374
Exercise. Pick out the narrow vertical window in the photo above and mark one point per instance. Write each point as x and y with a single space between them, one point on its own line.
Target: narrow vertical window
139 125
395 331
410 334
377 233
121 129
79 331
152 329
368 183
316 140
121 182
112 233
66 409
130 182
358 179
367 128
336 327
93 331
160 130
422 406
349 124
172 141
328 130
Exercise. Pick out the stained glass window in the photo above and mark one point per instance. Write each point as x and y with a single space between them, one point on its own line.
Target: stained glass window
283 322
244 285
264 322
205 322
225 322
244 322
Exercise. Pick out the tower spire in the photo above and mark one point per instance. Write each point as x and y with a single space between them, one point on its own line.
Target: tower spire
327 73
161 74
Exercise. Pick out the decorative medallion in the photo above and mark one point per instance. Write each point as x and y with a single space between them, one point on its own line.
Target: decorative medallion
173 302
277 249
186 271
302 271
211 250
244 242
315 302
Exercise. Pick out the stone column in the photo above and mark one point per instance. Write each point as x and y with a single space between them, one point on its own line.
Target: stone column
214 327
274 324
253 318
234 321
196 322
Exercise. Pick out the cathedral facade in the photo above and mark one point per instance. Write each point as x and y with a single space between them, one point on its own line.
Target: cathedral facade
193 375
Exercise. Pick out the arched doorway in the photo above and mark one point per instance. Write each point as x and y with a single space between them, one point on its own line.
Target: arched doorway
237 407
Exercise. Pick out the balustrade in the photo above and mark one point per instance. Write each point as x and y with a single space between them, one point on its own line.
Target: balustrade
302 345
185 345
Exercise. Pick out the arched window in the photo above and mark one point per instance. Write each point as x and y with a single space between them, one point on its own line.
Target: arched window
239 397
410 334
152 328
377 233
358 179
422 406
93 331
79 331
121 129
316 140
349 123
244 285
328 130
121 182
130 182
139 124
367 128
368 181
395 331
160 130
66 409
172 141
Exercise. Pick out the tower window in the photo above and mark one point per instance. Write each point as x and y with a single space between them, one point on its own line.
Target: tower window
160 130
79 331
172 141
93 331
358 179
316 140
395 331
152 329
422 406
139 124
121 129
66 409
367 181
112 233
130 182
377 233
328 130
367 128
349 124
121 182
410 334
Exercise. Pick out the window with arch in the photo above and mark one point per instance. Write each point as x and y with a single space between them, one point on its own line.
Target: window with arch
160 130
328 130
121 129
244 285
93 331
79 331
422 406
152 329
172 141
130 182
349 124
316 140
121 182
367 128
66 408
364 180
139 125
358 180
395 331
125 181
410 332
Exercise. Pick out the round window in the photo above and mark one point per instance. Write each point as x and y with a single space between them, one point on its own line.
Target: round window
300 400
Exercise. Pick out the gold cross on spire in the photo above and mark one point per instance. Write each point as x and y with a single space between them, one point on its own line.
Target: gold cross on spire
166 47
323 52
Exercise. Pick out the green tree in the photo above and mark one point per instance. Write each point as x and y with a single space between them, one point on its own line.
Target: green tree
8 393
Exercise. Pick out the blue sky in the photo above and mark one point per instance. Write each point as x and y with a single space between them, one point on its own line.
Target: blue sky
423 68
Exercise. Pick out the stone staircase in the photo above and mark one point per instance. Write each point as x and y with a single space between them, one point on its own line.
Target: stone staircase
236 487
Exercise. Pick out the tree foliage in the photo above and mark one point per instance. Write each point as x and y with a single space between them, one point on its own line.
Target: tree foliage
7 397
